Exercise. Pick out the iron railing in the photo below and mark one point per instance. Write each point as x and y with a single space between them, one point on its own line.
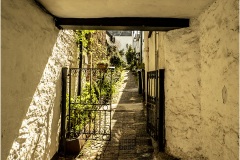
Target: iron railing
156 106
89 112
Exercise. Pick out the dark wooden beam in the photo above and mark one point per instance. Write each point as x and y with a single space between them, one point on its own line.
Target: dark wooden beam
122 23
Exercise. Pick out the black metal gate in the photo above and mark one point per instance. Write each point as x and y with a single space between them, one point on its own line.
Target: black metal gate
87 114
156 106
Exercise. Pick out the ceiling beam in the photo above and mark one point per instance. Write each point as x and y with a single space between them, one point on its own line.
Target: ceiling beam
122 23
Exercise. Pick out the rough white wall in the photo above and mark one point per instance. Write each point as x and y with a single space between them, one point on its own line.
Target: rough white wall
33 52
219 40
122 41
161 49
152 58
146 52
182 93
201 84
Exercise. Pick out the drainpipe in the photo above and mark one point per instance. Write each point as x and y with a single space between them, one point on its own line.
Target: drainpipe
140 71
141 47
156 51
80 66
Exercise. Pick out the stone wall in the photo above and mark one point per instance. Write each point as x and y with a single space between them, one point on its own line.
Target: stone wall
201 84
33 53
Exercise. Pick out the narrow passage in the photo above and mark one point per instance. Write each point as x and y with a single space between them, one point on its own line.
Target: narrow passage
129 137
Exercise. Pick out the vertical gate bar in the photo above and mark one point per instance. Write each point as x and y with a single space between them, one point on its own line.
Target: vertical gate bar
74 121
84 125
89 123
69 103
105 121
149 107
100 97
111 105
80 66
94 121
150 87
147 102
156 106
62 147
162 112
89 71
152 107
90 82
143 78
80 84
99 127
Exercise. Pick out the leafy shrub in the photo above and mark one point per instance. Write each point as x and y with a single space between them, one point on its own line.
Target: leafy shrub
116 60
130 55
82 108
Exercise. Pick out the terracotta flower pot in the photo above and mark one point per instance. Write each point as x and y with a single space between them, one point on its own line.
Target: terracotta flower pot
102 66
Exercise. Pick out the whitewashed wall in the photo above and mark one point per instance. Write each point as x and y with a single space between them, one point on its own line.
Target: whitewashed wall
182 93
33 53
201 84
219 44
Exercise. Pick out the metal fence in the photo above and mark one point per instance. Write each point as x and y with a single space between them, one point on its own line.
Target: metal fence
156 106
86 104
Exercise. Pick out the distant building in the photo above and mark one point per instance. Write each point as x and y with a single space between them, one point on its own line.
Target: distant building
122 39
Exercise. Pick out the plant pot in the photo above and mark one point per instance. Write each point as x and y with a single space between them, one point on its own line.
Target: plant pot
102 66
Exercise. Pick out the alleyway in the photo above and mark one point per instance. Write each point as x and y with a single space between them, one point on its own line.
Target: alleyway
129 137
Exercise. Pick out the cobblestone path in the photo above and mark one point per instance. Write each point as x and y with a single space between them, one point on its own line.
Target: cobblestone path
129 138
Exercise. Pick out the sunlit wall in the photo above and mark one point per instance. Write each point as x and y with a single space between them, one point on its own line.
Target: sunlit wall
33 53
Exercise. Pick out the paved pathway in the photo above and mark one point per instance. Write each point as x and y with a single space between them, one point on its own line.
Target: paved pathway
129 137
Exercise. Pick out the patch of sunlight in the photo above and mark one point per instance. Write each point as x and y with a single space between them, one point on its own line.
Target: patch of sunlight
122 87
93 149
132 99
34 138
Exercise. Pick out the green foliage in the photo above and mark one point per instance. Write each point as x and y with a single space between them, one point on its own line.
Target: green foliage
121 52
130 55
83 36
82 106
106 87
111 49
101 90
132 59
116 60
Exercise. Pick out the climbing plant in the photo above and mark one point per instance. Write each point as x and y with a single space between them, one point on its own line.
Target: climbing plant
84 36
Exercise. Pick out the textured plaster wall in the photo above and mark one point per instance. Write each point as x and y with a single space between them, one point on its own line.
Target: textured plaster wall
33 53
161 49
201 84
152 57
122 41
182 93
146 51
219 42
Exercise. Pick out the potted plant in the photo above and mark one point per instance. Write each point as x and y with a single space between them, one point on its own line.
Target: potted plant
103 65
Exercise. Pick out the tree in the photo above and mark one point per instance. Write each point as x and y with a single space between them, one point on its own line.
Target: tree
130 55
